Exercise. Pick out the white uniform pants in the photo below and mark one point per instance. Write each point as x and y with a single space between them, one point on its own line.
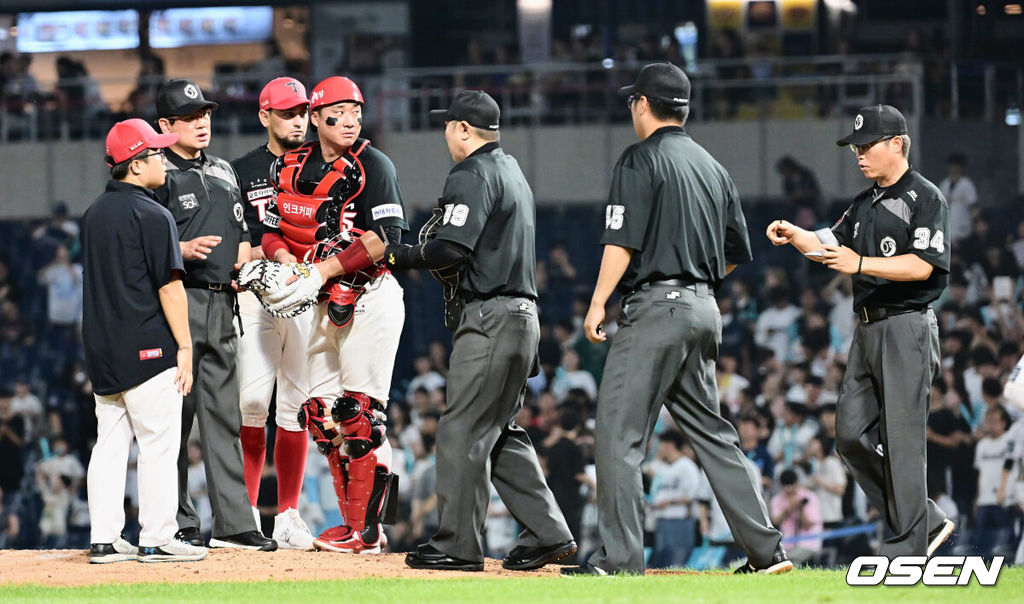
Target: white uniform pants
272 348
151 414
361 356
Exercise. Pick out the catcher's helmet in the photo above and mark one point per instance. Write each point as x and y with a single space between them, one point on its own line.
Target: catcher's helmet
335 89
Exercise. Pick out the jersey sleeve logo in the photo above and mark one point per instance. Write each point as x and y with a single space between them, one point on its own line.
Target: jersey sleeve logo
887 246
614 215
387 210
455 214
238 212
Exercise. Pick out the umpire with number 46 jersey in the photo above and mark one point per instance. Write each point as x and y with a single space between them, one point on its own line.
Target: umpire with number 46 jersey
674 229
486 233
892 240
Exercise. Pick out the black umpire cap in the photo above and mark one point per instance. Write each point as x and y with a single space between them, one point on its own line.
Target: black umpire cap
875 123
661 82
181 97
473 106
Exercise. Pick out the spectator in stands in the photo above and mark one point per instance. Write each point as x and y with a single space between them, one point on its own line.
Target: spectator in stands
960 194
676 482
751 445
993 517
58 479
788 444
63 281
57 229
946 435
775 325
796 511
438 354
78 96
731 384
12 446
569 376
426 377
424 495
564 464
9 525
500 528
27 405
141 101
800 186
8 289
197 487
1017 246
827 478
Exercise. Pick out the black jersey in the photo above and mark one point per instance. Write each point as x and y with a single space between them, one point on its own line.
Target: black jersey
258 195
909 217
489 208
677 209
129 251
202 195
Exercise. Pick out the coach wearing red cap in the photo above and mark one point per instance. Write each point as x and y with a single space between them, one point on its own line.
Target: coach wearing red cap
270 347
138 349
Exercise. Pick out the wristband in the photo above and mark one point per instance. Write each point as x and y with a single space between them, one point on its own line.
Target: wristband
860 264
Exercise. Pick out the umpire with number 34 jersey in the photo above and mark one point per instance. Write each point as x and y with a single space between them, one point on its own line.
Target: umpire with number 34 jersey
892 240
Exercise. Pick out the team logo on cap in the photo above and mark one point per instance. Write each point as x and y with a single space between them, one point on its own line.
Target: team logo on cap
887 246
317 94
191 91
858 122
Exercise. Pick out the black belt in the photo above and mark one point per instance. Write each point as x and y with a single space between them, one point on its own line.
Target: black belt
870 315
473 296
214 287
696 286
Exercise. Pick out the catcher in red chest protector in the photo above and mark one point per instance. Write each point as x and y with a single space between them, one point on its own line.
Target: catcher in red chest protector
338 202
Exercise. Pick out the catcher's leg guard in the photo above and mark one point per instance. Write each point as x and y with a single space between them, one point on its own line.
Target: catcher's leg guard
368 482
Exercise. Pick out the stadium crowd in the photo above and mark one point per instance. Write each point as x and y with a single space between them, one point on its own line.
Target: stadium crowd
787 326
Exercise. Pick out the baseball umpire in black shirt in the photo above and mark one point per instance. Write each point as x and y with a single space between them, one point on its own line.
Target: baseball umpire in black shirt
674 229
202 194
892 239
485 232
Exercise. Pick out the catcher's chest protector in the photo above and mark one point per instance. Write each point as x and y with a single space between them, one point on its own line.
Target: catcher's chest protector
314 211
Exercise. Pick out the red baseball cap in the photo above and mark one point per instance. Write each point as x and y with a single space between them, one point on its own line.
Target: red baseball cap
130 137
335 89
283 93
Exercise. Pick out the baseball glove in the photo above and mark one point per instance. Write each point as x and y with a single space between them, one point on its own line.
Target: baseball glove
285 290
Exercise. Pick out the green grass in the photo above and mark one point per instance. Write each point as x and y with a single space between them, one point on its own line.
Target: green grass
799 587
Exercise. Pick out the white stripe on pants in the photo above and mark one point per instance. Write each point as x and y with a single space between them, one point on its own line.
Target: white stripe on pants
150 413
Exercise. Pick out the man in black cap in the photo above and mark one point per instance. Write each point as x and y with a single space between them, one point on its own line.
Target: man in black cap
892 239
674 229
203 195
483 242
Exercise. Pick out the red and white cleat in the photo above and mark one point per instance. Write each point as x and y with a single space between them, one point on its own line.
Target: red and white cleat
344 540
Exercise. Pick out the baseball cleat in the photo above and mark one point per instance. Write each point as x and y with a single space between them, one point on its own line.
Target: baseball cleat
939 535
118 551
344 540
252 540
174 551
780 563
291 532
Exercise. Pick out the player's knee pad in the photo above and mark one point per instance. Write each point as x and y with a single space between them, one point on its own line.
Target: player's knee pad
312 416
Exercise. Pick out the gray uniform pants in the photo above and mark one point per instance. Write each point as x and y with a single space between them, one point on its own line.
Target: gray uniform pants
884 401
665 352
493 350
214 401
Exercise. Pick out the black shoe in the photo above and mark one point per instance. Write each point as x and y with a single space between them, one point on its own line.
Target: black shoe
583 570
780 563
532 558
190 535
248 540
429 557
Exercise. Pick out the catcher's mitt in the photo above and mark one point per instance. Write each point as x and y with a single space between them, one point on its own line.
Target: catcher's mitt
285 290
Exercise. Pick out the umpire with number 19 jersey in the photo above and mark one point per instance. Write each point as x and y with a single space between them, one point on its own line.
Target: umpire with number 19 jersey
487 230
674 229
